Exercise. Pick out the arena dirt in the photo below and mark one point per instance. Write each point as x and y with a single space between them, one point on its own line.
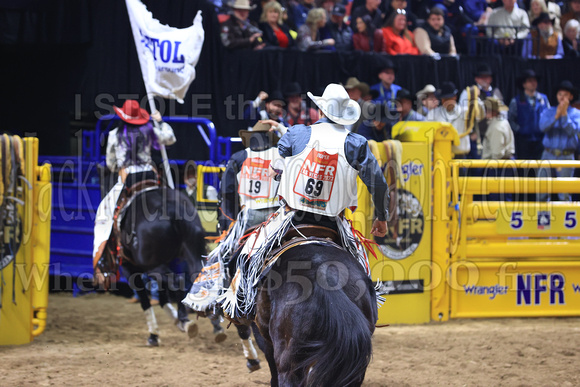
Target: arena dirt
99 339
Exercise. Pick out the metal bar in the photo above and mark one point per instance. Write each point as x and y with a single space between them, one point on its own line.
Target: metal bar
482 185
523 248
515 163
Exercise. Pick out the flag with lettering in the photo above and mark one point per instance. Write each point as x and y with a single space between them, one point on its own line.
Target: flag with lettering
167 55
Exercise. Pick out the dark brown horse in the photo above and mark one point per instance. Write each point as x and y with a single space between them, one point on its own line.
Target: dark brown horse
161 234
316 313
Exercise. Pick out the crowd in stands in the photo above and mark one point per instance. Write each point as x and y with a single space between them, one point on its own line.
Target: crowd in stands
526 127
531 28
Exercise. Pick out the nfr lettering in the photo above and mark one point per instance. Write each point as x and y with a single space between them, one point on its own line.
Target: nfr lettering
538 284
316 169
166 50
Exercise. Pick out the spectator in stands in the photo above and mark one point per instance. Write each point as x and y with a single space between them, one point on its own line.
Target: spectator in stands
300 11
297 110
265 107
368 38
397 39
508 23
498 143
190 180
427 101
573 12
539 6
483 79
404 101
358 91
386 88
238 32
257 10
377 123
561 125
275 33
393 6
450 112
338 30
309 34
434 37
570 41
524 117
544 43
370 8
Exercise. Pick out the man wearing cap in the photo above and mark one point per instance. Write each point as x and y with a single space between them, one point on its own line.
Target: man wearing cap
427 101
524 117
265 107
561 125
129 154
450 112
327 146
405 107
498 143
483 78
512 23
386 88
338 30
238 32
297 111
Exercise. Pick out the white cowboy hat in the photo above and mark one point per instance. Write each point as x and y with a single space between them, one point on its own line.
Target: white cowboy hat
336 105
242 4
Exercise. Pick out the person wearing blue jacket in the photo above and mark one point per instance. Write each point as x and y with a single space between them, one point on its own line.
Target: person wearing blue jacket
561 127
525 110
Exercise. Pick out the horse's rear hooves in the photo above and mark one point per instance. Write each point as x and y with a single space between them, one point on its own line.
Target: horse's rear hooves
191 329
153 340
253 365
220 336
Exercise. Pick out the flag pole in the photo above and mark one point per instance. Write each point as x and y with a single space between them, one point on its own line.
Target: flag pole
161 146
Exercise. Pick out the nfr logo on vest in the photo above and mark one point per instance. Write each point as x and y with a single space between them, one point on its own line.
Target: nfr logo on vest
316 178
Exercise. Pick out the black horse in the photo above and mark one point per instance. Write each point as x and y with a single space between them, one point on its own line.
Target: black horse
316 313
160 234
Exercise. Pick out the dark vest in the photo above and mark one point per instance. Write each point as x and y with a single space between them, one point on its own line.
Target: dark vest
529 117
439 43
546 47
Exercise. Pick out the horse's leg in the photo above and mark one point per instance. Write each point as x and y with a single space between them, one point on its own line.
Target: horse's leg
153 339
184 324
250 353
218 331
167 306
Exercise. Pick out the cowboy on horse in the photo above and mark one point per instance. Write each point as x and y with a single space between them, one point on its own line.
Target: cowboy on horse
317 183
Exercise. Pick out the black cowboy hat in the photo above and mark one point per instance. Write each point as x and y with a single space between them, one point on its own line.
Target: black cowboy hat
568 86
447 90
383 64
276 95
404 94
528 73
483 69
291 89
543 17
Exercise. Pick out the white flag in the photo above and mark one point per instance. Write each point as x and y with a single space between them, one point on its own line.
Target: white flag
167 55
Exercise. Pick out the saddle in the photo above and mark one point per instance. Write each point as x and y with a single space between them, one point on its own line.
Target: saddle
135 185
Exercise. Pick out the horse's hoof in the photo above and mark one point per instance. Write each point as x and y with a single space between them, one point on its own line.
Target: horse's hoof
190 327
153 340
220 335
253 365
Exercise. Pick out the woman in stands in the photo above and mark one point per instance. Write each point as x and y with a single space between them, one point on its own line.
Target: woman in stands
276 33
552 9
434 37
309 34
397 38
570 41
368 38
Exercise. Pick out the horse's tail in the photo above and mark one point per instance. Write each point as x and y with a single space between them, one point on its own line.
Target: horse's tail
341 359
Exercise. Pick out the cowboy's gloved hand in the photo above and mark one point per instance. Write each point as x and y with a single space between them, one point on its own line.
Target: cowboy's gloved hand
379 228
156 116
